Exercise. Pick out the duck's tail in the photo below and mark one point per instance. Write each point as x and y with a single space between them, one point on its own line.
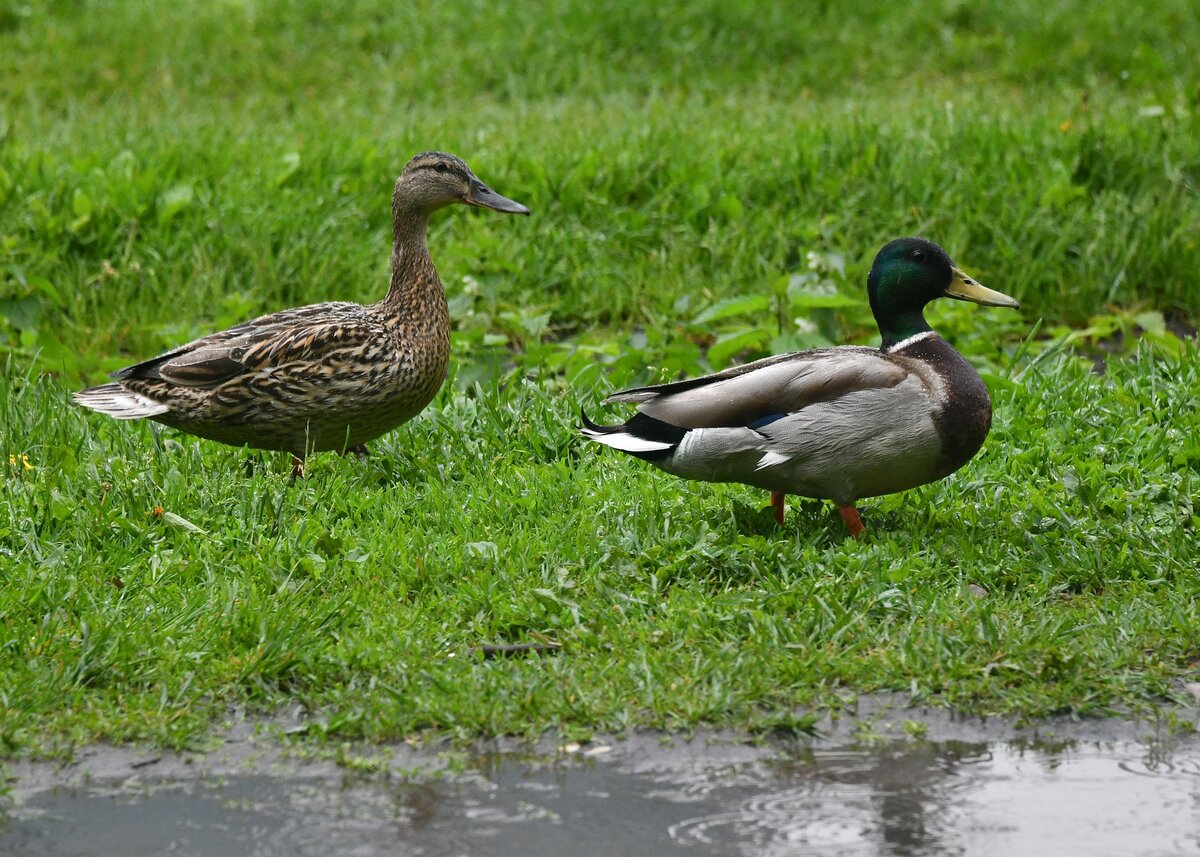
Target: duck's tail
119 402
643 436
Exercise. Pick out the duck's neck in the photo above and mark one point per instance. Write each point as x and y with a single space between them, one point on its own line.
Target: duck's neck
416 289
901 328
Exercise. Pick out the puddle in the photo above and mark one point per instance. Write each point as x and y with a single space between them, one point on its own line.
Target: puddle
640 797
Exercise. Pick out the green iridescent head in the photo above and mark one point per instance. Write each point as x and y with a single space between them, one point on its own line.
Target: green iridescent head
907 274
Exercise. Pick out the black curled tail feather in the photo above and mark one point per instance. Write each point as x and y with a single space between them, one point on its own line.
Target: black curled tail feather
590 426
640 427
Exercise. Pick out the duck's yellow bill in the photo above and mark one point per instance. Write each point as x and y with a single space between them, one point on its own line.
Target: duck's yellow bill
964 288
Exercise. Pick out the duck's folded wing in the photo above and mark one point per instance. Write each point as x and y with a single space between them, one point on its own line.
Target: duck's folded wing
759 392
298 346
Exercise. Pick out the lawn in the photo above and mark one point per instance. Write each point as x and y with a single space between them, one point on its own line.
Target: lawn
709 183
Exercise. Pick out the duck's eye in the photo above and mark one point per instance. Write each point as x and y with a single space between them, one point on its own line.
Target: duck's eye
918 255
441 168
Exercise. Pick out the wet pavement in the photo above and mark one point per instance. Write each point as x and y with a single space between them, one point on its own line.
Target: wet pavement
713 795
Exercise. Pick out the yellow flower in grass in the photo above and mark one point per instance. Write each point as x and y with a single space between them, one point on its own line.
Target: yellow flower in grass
22 460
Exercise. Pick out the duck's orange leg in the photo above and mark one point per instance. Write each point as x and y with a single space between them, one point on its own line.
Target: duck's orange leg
777 505
853 522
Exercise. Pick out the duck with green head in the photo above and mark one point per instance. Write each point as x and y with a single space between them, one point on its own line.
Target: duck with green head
832 423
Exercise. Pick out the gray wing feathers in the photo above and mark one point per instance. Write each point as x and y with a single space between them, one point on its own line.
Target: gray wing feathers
773 387
863 443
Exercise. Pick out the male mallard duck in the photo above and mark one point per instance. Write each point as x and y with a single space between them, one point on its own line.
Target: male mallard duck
833 423
328 376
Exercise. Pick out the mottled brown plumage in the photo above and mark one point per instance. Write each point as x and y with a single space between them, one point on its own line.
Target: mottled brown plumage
329 376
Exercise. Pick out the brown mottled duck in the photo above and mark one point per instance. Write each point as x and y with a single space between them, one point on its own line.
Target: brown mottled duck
329 376
833 423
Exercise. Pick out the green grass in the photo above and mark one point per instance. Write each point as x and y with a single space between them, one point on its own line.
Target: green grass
709 183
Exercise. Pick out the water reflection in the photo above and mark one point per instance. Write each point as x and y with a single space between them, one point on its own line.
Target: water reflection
960 798
913 798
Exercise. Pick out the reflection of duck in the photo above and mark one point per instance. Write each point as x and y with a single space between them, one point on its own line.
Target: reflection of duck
833 423
889 799
329 376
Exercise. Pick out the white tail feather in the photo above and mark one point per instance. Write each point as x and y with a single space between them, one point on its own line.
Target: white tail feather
626 442
119 403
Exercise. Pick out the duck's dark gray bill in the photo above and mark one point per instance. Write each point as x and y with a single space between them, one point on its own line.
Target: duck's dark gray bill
483 196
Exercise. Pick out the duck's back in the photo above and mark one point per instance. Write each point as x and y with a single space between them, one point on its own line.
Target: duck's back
839 423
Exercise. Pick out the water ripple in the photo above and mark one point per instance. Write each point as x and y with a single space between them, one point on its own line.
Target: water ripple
914 798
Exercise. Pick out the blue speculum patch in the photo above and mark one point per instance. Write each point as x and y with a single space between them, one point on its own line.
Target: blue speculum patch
765 421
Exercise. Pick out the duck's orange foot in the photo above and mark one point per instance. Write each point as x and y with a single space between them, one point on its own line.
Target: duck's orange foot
777 506
297 467
853 522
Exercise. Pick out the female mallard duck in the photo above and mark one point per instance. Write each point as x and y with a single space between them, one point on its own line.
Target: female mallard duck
328 376
833 423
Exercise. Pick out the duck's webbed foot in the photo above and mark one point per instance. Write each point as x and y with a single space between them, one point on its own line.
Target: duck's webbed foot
297 467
